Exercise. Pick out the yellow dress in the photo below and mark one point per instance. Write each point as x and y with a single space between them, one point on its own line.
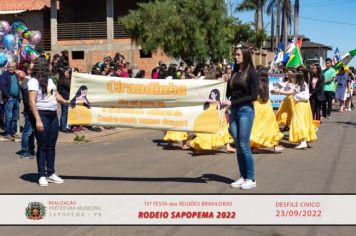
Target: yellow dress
208 120
205 141
172 136
265 130
79 115
285 112
302 126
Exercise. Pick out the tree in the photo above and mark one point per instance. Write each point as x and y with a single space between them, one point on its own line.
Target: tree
296 18
286 12
253 5
191 30
248 34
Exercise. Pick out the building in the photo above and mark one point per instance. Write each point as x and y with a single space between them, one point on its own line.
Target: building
88 29
35 13
311 52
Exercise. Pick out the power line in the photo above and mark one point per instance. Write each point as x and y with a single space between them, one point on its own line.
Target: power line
328 21
327 4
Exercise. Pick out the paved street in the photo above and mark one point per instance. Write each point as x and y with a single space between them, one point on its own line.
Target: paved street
133 161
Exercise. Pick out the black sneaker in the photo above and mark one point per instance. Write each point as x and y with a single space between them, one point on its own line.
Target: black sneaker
25 155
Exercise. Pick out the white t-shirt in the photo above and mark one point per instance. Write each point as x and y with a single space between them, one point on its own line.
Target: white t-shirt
301 96
45 101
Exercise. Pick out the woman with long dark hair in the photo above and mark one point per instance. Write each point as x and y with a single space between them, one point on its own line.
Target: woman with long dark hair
43 99
316 91
64 90
242 91
302 129
265 130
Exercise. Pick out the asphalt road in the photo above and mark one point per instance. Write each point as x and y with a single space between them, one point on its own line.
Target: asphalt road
136 162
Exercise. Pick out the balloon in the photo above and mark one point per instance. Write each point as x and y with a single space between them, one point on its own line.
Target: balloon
9 42
20 74
36 37
3 59
31 53
21 30
5 26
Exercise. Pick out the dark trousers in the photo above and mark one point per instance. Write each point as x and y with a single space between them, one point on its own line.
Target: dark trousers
46 142
327 104
315 105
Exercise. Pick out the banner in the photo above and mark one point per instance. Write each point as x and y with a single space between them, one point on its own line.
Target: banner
181 105
276 99
185 209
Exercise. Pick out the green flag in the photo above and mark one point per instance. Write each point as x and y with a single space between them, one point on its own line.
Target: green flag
345 59
295 59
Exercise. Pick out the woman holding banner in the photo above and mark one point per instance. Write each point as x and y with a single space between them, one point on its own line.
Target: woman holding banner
43 99
242 89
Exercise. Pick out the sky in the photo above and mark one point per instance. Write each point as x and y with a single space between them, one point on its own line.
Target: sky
329 22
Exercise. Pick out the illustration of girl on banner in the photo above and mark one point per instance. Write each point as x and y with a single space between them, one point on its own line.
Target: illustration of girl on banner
79 111
209 120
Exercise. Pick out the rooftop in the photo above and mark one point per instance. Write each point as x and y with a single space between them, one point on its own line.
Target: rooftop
14 6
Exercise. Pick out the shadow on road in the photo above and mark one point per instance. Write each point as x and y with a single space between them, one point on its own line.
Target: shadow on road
346 123
205 178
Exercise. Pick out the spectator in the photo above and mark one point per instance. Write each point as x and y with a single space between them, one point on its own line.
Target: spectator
28 136
12 101
64 90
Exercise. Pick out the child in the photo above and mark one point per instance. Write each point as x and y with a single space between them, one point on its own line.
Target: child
302 129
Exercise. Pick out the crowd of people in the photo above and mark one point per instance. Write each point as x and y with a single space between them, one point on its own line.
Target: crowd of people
249 123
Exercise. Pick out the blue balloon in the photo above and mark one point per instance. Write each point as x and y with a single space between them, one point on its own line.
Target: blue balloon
3 59
9 42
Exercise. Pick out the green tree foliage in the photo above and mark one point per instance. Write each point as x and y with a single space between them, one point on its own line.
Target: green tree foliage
192 30
247 33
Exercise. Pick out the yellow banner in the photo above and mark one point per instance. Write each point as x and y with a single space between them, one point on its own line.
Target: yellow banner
181 105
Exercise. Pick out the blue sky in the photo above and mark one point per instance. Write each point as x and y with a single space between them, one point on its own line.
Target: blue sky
340 34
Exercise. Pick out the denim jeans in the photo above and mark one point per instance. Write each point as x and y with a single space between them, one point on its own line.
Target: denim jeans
12 107
46 142
64 115
28 136
241 120
2 115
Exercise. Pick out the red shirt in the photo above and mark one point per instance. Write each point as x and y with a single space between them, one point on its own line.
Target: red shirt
124 74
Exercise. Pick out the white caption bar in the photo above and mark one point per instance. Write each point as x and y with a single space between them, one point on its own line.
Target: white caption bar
178 209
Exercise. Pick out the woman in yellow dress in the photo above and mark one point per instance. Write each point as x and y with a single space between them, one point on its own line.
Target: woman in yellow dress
302 129
79 110
265 130
285 111
174 136
210 120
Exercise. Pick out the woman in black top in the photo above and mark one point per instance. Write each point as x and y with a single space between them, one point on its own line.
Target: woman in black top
242 90
316 91
64 90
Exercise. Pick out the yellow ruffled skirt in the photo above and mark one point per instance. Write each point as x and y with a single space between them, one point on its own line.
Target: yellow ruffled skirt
204 141
265 130
285 112
302 125
173 136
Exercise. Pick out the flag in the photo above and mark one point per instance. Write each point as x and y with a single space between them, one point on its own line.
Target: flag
345 59
336 57
278 57
289 52
295 57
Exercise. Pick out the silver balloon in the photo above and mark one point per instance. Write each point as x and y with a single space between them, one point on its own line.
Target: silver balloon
35 37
